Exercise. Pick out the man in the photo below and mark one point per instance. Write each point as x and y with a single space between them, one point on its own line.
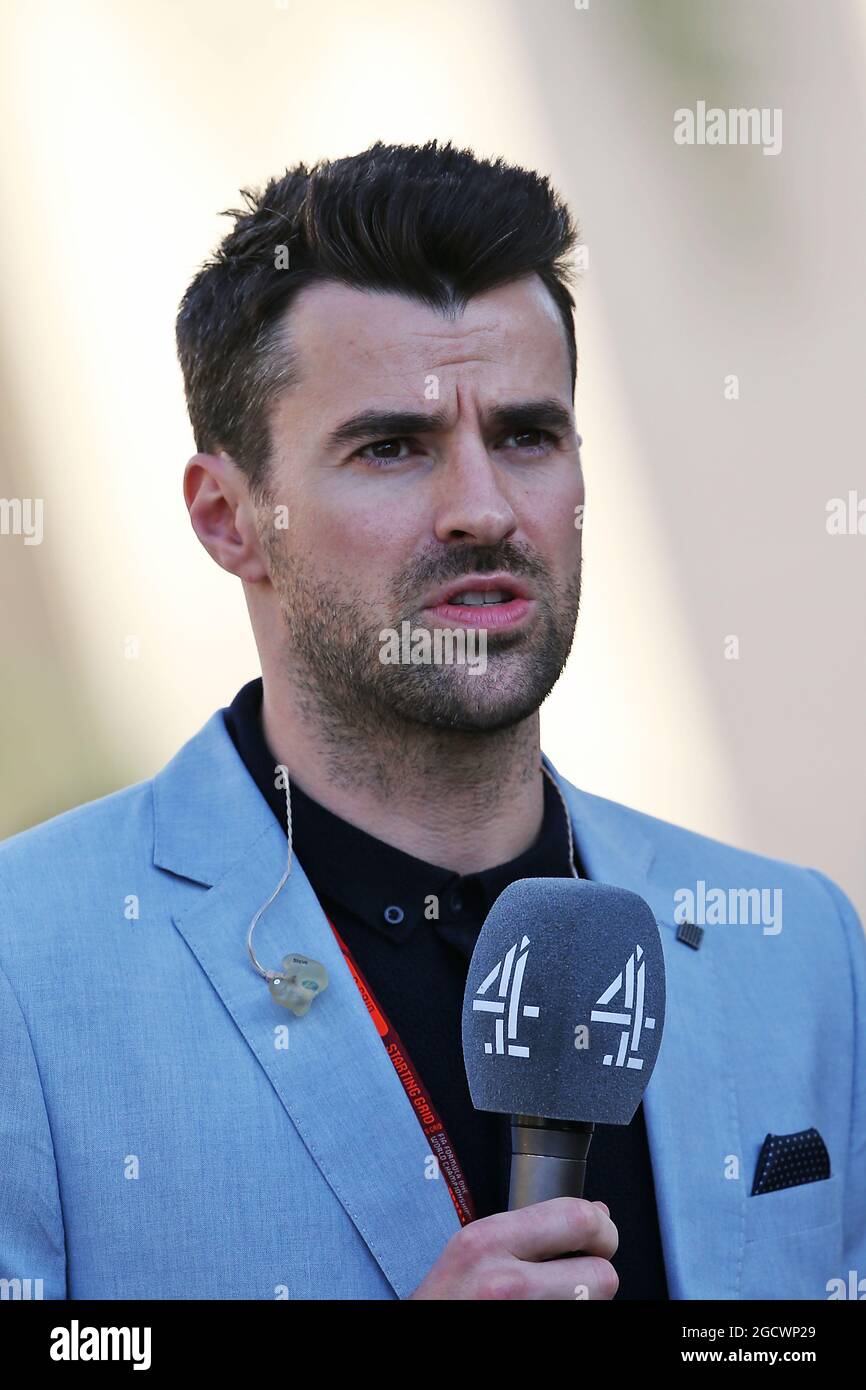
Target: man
380 364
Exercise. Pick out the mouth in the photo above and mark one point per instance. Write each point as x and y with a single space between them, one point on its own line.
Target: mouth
491 601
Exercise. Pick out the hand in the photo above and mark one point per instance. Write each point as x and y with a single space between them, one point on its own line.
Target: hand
513 1255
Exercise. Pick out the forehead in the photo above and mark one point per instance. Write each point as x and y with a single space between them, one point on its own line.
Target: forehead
353 345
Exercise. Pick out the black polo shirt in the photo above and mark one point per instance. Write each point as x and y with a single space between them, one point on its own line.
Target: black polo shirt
384 904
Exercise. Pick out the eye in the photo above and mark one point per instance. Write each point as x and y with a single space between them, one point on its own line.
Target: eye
380 445
547 436
380 452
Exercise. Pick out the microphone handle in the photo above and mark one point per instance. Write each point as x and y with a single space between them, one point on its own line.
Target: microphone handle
548 1159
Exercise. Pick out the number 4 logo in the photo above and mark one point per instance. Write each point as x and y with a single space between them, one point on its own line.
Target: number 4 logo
629 983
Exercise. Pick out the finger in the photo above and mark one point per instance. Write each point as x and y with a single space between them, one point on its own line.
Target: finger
559 1226
585 1278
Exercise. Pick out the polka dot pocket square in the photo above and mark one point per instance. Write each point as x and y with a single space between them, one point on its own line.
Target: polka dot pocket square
787 1160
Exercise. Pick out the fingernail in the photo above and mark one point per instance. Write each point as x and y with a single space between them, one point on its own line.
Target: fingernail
604 1205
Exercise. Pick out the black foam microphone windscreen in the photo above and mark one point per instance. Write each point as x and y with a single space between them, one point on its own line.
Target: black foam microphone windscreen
562 1020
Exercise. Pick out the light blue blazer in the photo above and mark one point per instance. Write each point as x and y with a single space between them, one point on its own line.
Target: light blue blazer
166 1131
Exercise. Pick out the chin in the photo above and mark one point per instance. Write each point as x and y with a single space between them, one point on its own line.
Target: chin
457 711
508 692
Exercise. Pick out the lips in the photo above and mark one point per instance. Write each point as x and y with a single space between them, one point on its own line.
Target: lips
489 601
484 585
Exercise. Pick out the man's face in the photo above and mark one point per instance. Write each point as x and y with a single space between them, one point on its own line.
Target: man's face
384 518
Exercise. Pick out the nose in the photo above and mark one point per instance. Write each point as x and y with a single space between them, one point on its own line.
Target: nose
471 502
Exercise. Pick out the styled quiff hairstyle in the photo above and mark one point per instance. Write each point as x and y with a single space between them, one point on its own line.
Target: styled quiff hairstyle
431 222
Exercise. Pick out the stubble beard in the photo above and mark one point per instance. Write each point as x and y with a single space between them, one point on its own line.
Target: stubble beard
332 651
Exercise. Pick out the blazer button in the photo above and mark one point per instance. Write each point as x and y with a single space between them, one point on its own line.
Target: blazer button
393 915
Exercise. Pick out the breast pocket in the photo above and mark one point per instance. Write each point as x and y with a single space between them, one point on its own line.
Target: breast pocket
788 1210
793 1242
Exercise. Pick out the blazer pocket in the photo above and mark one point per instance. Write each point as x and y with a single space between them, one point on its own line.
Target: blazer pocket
807 1206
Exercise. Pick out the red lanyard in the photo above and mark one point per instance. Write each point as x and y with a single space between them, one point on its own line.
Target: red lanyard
429 1120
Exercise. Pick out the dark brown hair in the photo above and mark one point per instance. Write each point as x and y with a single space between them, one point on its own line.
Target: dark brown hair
430 221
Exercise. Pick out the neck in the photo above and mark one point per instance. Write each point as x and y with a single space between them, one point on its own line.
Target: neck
463 801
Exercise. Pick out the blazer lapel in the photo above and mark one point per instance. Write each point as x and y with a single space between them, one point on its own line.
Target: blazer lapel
690 1102
334 1078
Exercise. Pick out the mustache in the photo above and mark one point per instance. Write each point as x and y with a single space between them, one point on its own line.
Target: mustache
471 560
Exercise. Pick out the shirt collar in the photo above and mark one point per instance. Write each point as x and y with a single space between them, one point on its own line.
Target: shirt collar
388 889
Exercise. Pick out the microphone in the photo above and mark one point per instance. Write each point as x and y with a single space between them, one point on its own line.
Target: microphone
562 1022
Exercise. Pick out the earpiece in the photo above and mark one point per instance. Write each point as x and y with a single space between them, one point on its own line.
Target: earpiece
298 986
301 979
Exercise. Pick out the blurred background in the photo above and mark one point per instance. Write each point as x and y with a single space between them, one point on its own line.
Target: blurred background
719 672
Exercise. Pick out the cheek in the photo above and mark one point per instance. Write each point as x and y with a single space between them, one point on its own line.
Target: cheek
555 526
362 550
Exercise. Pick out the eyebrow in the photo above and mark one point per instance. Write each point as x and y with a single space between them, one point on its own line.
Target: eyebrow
374 425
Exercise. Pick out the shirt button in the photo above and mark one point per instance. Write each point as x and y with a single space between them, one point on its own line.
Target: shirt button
393 915
456 902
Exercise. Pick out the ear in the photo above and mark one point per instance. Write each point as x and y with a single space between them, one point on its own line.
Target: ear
223 516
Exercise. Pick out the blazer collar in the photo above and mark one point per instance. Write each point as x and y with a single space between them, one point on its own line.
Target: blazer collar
212 826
